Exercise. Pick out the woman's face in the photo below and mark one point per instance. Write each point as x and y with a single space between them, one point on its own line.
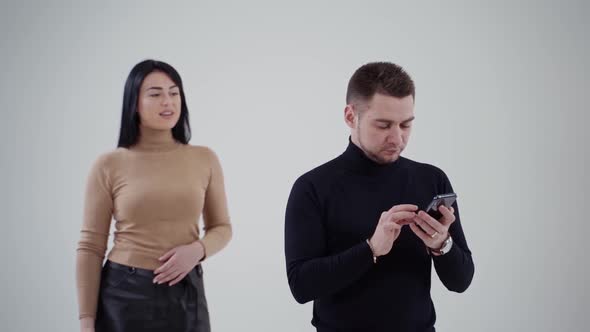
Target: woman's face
159 102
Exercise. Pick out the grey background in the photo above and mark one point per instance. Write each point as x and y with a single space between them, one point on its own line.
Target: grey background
501 106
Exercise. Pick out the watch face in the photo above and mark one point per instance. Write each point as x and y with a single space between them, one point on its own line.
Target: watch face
447 246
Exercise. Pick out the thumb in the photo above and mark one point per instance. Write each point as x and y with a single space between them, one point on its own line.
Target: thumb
397 216
384 216
388 227
391 226
167 255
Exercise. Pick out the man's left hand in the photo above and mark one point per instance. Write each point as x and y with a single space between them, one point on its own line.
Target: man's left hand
431 231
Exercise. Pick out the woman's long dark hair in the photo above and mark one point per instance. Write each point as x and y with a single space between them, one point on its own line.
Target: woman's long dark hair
129 133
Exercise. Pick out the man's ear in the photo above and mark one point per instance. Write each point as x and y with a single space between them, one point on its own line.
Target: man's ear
350 116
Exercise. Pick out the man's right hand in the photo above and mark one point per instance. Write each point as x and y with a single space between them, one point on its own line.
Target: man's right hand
389 227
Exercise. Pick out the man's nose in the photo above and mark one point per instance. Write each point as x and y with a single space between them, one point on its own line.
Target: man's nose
395 136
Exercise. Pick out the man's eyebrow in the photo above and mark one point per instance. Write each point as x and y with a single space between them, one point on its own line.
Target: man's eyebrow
408 120
391 121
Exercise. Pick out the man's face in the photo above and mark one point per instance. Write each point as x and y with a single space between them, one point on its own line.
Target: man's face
381 128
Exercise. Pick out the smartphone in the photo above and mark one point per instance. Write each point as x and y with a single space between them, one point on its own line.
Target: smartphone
438 200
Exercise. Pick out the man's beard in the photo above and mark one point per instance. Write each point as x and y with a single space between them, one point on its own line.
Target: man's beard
375 156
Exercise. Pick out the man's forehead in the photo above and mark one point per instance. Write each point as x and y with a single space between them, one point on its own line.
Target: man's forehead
393 114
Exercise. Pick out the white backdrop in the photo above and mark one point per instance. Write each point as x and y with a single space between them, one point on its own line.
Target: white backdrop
501 106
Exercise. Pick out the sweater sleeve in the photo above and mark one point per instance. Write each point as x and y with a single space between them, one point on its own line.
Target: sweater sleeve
311 271
218 231
98 209
455 269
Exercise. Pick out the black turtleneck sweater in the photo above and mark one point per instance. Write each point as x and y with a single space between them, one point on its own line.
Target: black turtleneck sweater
332 210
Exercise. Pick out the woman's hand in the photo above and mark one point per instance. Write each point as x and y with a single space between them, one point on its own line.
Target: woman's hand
87 324
178 262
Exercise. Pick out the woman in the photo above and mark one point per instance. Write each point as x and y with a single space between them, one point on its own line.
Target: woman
155 186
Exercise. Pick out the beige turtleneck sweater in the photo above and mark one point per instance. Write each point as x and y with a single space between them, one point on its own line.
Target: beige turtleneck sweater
155 191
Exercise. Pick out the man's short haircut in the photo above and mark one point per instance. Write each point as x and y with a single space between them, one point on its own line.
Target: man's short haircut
379 77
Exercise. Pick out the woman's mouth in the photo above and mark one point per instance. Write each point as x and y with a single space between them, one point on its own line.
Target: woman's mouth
166 114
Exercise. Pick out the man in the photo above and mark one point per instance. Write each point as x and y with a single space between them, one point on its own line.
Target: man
356 241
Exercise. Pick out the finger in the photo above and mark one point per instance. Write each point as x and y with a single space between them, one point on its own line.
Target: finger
448 215
167 255
171 276
404 222
420 233
435 224
391 226
387 216
177 279
165 277
430 231
397 216
166 265
404 207
384 216
161 276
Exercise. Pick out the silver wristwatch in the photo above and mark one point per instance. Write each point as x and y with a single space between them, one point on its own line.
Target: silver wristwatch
446 246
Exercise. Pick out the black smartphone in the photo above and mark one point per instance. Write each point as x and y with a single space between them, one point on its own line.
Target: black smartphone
438 200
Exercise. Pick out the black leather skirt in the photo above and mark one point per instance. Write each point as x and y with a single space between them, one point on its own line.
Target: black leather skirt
129 301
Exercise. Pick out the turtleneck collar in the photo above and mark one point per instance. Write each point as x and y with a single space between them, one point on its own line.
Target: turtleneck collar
154 140
357 159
